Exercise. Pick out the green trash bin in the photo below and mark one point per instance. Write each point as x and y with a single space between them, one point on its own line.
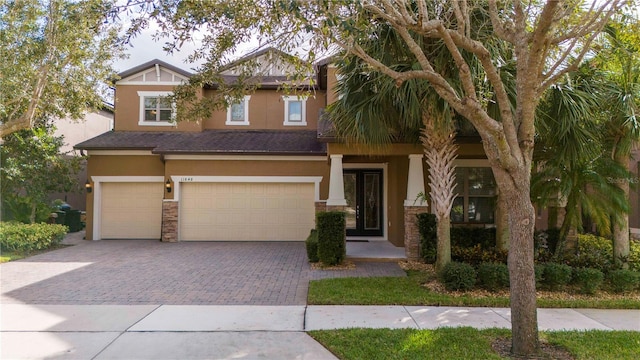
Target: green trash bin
61 219
72 220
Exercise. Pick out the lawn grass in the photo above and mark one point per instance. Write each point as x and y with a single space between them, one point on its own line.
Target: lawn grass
468 343
409 291
7 256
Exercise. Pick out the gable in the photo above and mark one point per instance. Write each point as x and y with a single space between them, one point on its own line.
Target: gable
268 62
154 76
154 72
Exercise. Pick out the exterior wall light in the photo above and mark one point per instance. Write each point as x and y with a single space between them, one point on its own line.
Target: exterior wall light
88 186
167 185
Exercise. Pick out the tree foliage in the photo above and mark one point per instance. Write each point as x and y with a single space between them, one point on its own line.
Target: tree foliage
54 58
33 168
547 38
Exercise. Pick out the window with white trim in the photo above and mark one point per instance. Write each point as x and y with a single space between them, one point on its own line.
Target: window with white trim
156 109
295 110
238 112
476 200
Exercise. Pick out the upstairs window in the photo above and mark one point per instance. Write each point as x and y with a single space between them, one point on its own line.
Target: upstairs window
238 112
476 201
156 109
295 111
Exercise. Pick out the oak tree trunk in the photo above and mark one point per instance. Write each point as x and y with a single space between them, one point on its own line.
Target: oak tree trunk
521 272
502 225
515 187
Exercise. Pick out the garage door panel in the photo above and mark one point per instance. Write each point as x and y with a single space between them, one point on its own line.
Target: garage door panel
247 211
131 210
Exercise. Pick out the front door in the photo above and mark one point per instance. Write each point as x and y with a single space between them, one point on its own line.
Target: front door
363 192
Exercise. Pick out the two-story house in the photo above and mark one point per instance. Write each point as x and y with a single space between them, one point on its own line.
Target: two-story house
258 170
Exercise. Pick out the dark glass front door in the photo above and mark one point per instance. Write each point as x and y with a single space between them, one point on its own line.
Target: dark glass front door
363 192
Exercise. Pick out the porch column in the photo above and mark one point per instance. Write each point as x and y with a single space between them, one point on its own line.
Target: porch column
413 206
169 221
336 183
415 181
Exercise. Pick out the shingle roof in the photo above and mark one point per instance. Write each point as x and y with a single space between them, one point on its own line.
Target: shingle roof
275 142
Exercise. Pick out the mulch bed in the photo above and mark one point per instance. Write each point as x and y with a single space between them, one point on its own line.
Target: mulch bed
502 346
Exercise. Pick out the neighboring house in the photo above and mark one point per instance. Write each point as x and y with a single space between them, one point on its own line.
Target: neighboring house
259 170
74 131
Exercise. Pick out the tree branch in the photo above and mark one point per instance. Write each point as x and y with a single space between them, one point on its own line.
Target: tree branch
498 26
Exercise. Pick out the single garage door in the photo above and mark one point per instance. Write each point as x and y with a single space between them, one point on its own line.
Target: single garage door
131 210
247 211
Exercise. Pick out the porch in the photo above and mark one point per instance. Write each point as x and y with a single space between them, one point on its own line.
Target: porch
374 250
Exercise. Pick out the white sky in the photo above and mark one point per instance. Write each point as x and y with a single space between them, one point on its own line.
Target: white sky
144 48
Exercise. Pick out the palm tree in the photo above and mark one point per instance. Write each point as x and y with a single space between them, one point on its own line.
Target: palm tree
619 56
572 166
373 110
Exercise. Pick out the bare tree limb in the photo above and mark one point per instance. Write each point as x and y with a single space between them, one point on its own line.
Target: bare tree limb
498 26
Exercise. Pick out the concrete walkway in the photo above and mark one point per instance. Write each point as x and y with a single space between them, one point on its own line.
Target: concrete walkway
246 332
151 300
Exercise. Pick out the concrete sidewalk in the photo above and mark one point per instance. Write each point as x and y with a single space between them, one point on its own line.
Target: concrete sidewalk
247 332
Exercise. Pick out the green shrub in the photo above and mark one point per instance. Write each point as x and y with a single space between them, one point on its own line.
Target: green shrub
624 280
427 226
547 239
556 275
539 271
476 255
312 246
634 255
16 236
331 237
493 276
458 276
544 244
593 252
589 280
466 236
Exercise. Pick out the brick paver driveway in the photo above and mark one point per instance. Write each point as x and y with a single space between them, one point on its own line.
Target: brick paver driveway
150 272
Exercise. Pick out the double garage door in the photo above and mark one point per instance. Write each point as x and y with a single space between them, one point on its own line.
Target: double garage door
211 211
246 211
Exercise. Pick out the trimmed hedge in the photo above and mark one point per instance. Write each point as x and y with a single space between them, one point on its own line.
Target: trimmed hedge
427 226
29 237
458 276
332 248
476 255
312 246
589 280
467 236
623 281
556 276
493 276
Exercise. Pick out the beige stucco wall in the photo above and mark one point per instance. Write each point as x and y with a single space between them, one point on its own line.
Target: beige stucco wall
250 168
127 113
332 82
396 158
133 165
397 169
266 111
